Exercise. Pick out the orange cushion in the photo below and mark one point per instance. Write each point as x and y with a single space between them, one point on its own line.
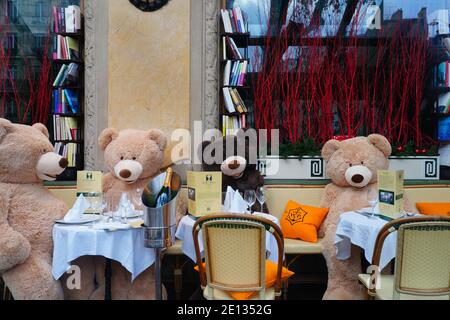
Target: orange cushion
271 278
434 208
301 221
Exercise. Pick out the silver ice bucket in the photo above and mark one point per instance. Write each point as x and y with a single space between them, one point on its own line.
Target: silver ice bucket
160 223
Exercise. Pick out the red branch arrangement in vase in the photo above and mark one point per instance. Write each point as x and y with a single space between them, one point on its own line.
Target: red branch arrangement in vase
317 87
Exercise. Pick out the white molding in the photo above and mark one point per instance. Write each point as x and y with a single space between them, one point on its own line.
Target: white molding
96 16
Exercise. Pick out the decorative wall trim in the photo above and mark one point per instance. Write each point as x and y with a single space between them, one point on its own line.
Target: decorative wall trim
96 79
204 55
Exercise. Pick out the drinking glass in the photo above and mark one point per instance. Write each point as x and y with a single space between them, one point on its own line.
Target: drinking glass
112 200
250 198
136 199
261 196
373 203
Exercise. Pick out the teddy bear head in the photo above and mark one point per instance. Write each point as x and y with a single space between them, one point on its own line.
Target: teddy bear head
355 162
235 156
133 154
26 154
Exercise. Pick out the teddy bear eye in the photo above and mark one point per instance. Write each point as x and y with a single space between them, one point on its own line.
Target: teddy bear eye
350 165
362 162
121 158
134 158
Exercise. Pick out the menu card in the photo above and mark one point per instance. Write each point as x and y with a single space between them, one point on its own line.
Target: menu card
89 184
390 193
204 192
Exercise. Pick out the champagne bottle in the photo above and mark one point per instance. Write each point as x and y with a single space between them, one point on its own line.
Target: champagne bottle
149 198
164 195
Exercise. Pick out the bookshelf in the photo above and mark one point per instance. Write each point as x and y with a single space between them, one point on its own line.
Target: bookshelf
67 115
439 90
234 86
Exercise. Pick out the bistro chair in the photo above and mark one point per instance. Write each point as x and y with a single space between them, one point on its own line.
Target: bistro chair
422 266
235 255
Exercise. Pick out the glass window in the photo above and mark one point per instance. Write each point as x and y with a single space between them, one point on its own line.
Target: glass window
315 42
25 42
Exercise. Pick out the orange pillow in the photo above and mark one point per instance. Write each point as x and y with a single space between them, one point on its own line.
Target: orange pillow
302 222
271 278
434 208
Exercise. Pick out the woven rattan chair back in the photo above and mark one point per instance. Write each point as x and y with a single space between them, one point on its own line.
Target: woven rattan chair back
235 252
423 258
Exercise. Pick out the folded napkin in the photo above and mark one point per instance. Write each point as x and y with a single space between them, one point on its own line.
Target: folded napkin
78 209
234 203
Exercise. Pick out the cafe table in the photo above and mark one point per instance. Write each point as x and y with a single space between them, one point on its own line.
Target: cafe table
361 229
121 243
184 233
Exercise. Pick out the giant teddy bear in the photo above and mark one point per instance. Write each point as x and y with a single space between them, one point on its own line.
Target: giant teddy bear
237 164
132 159
28 210
352 166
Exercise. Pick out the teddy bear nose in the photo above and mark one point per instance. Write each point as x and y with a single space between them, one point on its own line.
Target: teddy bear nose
63 163
125 173
233 165
357 178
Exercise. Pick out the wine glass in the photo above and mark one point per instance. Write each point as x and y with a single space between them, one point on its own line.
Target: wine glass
250 198
136 199
261 196
112 200
373 203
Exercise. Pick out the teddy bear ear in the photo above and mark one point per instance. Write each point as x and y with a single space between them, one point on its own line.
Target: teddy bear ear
40 127
381 143
330 147
106 137
159 137
5 127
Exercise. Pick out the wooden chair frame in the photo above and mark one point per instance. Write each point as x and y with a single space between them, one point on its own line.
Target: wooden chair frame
400 225
240 219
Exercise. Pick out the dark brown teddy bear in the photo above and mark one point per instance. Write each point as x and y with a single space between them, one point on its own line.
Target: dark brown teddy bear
235 156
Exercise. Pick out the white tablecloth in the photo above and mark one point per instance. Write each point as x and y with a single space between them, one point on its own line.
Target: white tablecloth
184 233
124 246
362 231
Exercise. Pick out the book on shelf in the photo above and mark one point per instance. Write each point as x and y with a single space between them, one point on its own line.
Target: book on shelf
67 75
66 48
70 151
444 129
443 103
441 75
234 73
66 128
65 101
234 20
67 20
233 100
231 124
230 46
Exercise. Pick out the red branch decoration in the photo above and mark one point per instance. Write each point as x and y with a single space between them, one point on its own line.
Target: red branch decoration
31 95
339 86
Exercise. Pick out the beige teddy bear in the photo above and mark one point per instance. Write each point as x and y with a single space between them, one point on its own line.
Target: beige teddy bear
352 166
28 210
132 159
